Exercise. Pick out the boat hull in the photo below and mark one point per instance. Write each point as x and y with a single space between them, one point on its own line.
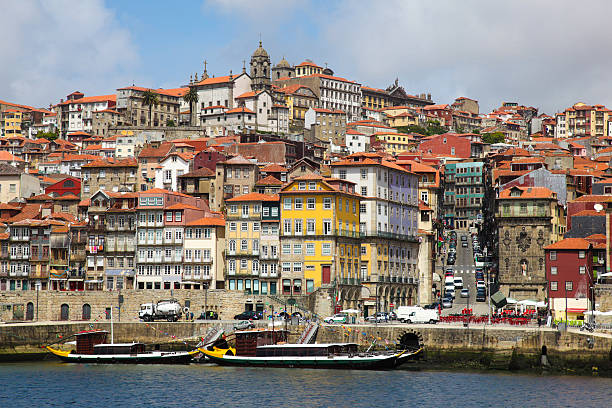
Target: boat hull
155 357
375 362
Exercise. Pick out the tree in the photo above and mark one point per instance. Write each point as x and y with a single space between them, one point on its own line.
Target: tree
170 123
495 137
191 97
47 135
150 98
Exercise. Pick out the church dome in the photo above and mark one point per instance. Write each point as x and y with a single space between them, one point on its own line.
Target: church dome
283 64
260 52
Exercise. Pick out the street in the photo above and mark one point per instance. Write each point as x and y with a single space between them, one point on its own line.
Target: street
464 267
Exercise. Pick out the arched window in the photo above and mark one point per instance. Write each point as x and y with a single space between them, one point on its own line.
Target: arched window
68 183
64 312
86 312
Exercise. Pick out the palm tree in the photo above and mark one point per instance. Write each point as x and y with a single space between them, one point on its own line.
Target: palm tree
191 97
150 98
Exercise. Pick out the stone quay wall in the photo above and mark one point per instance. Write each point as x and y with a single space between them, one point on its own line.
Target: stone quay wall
47 305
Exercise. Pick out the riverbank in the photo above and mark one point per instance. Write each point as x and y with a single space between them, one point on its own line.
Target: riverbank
446 346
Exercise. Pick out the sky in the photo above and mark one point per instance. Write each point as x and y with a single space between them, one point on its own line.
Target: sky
548 53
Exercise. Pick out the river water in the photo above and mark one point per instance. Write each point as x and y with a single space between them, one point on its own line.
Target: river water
55 384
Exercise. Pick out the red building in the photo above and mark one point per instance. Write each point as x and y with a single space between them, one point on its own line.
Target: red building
448 144
65 186
569 273
586 202
208 158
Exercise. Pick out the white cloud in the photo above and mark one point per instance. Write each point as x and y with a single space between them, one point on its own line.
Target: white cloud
51 48
546 53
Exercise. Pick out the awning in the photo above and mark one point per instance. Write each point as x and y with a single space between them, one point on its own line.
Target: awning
575 310
94 281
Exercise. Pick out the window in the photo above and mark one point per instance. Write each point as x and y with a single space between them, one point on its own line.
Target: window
168 216
232 245
581 254
233 209
244 226
310 248
298 227
569 285
287 204
232 226
287 227
302 185
297 249
582 270
364 174
312 185
310 226
364 191
299 204
553 270
553 255
178 216
245 210
310 203
309 285
255 226
326 248
342 174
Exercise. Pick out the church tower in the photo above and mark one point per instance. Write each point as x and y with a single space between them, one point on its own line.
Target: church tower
260 70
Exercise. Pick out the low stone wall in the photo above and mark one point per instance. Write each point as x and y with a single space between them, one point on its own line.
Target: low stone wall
46 305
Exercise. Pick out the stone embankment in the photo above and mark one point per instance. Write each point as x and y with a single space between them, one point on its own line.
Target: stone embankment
446 346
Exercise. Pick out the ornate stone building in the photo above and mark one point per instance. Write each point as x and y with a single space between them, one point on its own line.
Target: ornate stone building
260 70
529 219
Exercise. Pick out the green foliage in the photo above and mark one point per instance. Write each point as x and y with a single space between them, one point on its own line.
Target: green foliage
150 98
191 97
495 137
432 128
170 123
47 135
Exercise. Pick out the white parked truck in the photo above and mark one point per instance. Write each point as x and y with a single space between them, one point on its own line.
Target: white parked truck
163 310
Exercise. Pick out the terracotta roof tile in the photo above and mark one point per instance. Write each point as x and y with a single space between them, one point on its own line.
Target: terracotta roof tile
269 181
208 221
570 243
254 197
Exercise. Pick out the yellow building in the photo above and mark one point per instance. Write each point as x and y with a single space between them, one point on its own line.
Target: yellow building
299 99
395 143
319 234
11 121
586 120
398 116
251 256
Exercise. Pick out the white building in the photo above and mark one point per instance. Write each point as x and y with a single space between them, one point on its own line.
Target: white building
220 92
170 167
356 141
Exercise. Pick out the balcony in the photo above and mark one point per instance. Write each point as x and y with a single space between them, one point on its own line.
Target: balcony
20 237
389 235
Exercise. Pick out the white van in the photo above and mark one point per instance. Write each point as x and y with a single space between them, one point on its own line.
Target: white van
459 282
403 312
421 315
449 280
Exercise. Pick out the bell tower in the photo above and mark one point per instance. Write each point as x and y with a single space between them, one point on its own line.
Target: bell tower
260 70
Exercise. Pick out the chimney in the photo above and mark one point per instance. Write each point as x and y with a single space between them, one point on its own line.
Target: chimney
230 75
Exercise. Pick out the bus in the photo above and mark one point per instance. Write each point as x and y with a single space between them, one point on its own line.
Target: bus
481 260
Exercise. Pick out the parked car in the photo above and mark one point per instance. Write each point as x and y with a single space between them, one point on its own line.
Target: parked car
337 318
245 324
465 292
449 292
447 303
209 315
458 281
450 261
433 305
248 315
480 285
379 317
481 296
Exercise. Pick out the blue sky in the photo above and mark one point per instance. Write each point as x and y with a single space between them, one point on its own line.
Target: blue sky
549 54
